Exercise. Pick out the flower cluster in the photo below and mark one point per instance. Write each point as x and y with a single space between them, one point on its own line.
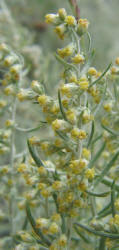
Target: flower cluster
58 182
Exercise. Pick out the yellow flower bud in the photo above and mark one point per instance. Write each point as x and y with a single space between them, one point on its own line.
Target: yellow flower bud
90 173
22 168
42 223
62 13
107 107
83 23
82 26
116 219
21 205
86 153
78 59
53 229
45 193
51 18
56 218
15 69
67 51
70 20
9 60
9 90
42 171
2 103
3 47
41 186
82 134
57 185
60 31
83 84
9 123
92 71
62 240
42 100
117 61
117 204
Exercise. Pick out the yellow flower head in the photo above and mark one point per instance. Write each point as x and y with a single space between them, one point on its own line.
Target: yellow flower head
56 124
117 204
107 107
116 219
90 173
15 69
42 99
84 23
83 85
67 51
2 103
41 186
113 70
57 185
70 20
92 71
42 170
62 13
56 218
9 90
53 229
9 123
75 133
117 61
51 18
42 223
22 168
62 240
82 134
86 153
60 31
71 115
58 142
78 59
45 193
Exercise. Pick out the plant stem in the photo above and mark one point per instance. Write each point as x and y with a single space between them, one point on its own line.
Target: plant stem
69 233
12 152
102 243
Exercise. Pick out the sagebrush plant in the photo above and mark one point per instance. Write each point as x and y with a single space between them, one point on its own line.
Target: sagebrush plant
64 194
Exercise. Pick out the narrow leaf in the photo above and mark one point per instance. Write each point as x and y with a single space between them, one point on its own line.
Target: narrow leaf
110 131
104 208
61 107
95 158
89 38
108 182
100 103
88 63
97 138
106 213
33 224
100 77
91 135
30 129
81 235
98 194
106 169
113 198
97 233
102 243
34 155
66 64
